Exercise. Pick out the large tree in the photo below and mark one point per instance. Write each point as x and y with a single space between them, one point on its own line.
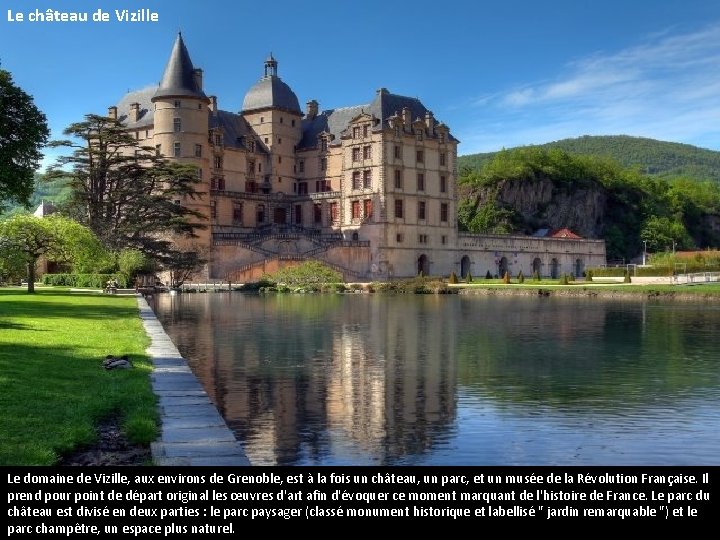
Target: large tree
25 238
126 193
23 132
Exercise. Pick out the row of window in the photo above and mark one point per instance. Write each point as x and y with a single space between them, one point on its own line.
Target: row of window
358 130
420 181
422 238
419 134
362 179
365 152
421 210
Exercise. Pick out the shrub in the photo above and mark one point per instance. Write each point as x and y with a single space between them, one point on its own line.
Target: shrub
589 275
453 279
521 277
469 278
627 278
536 276
506 278
488 275
564 279
306 273
93 281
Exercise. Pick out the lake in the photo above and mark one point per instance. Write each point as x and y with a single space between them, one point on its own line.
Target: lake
372 379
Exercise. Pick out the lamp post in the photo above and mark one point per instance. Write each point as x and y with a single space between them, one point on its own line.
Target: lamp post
644 251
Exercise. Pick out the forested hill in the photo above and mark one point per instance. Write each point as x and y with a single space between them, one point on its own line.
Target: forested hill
650 156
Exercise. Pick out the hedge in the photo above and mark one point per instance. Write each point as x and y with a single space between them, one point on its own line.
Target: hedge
94 281
653 271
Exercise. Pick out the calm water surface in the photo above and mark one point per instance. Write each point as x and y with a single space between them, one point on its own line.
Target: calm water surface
459 380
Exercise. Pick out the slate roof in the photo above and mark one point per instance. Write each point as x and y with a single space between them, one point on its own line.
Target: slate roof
179 77
335 121
234 127
271 91
147 109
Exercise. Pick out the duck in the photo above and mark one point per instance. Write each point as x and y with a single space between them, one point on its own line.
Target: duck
115 362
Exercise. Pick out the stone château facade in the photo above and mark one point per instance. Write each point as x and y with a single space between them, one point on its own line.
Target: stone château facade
369 189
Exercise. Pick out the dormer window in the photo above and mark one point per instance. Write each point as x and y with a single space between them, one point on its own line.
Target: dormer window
419 134
323 145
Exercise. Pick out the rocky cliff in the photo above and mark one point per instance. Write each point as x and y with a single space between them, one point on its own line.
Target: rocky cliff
542 203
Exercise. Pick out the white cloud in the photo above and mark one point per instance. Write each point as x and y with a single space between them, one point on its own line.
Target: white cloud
667 87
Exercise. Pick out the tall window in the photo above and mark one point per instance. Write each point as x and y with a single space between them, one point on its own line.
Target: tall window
176 149
213 209
367 179
442 158
356 132
251 146
397 152
198 150
334 214
367 208
356 180
421 182
356 153
301 166
398 208
443 184
419 134
158 149
367 152
398 179
217 162
419 156
443 212
177 125
317 213
366 129
355 207
237 213
421 210
323 145
298 214
323 164
177 104
260 214
221 184
302 188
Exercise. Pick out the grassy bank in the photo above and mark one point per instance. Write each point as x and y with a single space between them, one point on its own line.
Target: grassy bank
53 388
710 291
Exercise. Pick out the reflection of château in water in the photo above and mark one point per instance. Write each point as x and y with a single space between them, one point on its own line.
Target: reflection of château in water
360 390
370 188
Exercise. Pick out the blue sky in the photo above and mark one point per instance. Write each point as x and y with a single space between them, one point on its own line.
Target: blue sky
499 73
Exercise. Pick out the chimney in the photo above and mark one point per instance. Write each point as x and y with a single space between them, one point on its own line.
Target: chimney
213 104
311 109
134 112
112 112
381 91
407 119
429 123
198 76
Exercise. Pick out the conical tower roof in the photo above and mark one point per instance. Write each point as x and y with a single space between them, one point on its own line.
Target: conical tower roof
179 77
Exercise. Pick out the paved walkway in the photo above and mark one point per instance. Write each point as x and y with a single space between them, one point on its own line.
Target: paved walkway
192 432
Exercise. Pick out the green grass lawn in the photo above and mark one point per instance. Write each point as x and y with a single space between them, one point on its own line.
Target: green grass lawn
53 388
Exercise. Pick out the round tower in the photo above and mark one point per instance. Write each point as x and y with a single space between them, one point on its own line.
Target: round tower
181 125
